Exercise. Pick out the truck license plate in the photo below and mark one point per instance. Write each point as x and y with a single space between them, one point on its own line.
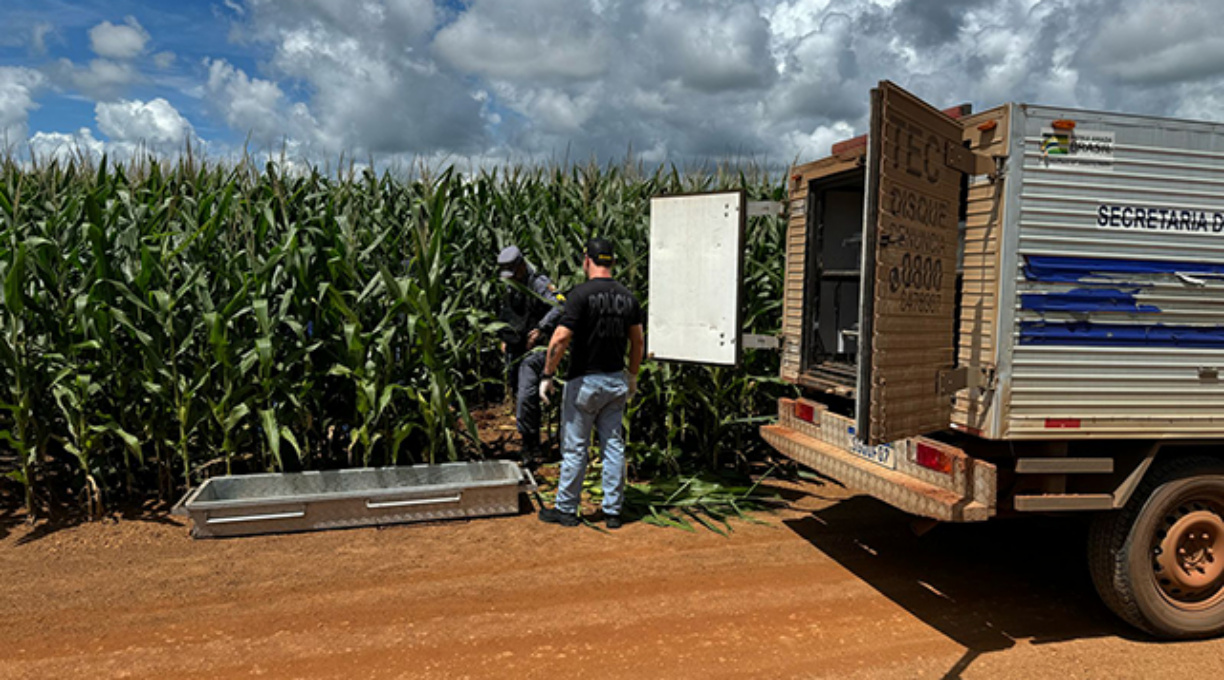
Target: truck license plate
883 455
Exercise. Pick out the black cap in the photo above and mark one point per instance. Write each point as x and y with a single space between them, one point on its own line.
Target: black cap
600 252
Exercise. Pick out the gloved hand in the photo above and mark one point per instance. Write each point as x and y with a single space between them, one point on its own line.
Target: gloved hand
546 388
632 388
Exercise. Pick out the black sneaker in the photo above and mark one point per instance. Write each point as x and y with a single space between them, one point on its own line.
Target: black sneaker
531 457
613 521
555 516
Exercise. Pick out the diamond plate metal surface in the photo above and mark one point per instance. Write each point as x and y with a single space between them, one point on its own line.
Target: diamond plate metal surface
306 501
966 495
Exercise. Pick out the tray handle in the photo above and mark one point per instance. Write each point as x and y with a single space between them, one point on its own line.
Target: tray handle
264 517
376 505
529 481
180 508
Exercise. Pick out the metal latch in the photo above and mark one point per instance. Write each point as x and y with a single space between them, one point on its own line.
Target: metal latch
953 380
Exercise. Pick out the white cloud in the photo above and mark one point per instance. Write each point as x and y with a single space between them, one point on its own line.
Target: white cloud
102 79
66 147
1160 42
710 48
154 124
527 40
258 108
38 37
17 88
680 79
809 145
555 109
118 41
164 60
373 86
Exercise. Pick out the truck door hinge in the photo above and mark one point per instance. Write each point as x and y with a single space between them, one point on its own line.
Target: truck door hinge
756 341
765 208
970 162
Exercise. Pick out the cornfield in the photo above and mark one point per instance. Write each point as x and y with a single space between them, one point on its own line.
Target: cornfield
166 322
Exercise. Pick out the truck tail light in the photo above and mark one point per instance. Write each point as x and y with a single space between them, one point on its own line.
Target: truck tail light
1062 423
805 411
931 458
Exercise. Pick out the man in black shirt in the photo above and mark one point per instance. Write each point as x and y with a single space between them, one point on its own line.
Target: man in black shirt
601 318
530 310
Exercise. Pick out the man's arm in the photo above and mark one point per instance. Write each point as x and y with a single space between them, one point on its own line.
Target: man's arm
547 292
637 347
556 349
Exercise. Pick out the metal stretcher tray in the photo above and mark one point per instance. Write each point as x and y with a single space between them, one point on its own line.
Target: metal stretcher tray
245 505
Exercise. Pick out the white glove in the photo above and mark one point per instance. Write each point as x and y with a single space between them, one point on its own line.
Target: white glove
546 388
632 388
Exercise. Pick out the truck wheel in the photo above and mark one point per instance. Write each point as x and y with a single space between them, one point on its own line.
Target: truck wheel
1159 561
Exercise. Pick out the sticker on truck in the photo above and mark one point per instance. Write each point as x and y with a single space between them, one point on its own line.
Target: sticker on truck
1064 146
880 454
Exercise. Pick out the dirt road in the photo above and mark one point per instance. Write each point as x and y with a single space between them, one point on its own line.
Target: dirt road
836 588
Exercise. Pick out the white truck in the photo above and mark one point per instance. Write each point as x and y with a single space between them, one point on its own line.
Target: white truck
1009 312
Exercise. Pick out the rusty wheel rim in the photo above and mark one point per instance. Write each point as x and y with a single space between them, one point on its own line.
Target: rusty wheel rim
1188 555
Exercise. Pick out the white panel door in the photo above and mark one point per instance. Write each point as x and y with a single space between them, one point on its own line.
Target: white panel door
696 263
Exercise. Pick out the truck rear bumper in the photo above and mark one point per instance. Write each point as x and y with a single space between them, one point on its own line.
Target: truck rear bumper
964 492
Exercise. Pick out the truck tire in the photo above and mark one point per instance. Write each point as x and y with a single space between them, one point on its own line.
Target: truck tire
1159 561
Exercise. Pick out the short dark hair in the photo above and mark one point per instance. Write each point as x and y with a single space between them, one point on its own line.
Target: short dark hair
600 251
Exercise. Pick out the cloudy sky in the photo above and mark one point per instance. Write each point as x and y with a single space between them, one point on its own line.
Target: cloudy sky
522 80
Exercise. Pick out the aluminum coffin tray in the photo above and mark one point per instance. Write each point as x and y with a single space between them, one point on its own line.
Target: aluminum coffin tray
304 501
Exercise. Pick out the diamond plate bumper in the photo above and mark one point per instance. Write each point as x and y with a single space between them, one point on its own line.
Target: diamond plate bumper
965 494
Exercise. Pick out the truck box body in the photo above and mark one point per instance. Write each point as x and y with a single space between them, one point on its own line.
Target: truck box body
1015 311
1114 289
1091 277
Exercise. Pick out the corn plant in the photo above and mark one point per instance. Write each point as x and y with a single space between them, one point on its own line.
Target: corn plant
164 322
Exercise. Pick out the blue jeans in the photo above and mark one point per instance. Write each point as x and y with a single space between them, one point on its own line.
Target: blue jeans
595 400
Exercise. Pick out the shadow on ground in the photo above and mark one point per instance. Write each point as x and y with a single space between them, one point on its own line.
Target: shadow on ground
982 585
13 516
8 518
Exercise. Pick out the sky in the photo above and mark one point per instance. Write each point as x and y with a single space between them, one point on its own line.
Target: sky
497 81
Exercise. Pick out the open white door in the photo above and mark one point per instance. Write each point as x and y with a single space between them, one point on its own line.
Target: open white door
696 263
915 162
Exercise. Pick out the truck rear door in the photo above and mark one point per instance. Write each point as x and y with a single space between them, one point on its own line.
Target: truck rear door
915 165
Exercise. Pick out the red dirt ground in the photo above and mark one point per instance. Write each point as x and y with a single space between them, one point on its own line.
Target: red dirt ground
836 587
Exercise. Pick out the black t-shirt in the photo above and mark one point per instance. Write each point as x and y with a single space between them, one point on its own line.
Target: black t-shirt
600 313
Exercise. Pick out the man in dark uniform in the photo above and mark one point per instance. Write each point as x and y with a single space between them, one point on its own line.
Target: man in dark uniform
530 309
603 320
